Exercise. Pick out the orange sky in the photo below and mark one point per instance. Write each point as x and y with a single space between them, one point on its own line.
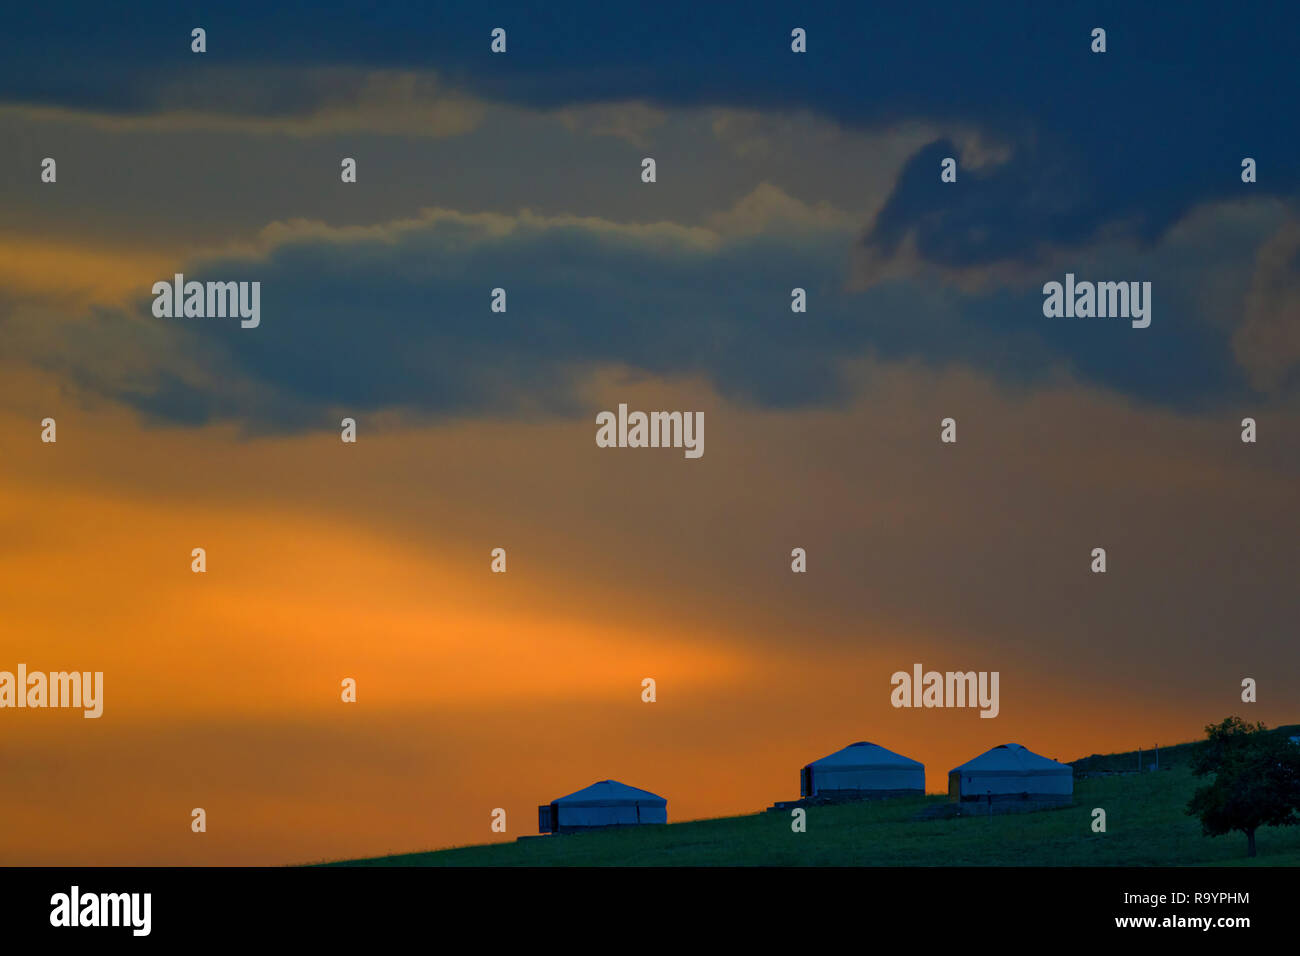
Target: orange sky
478 690
371 561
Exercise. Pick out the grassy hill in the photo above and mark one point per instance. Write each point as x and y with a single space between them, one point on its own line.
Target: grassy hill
1179 755
1145 821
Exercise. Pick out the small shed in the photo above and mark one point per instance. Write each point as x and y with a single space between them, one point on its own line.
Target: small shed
607 803
862 771
1010 772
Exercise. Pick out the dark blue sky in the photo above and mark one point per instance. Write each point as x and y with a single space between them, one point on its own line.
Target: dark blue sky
1121 146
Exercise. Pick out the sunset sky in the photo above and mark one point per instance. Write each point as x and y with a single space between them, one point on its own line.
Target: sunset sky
476 429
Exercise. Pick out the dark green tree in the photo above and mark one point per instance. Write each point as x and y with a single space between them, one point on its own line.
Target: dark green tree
1256 780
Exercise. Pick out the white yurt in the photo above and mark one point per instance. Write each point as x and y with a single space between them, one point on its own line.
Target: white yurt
1010 772
862 770
604 804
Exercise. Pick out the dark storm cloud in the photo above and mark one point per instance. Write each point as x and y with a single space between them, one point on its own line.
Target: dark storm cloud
1134 137
1086 148
404 322
400 319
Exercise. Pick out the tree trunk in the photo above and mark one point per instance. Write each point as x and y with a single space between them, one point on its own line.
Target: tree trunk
1250 843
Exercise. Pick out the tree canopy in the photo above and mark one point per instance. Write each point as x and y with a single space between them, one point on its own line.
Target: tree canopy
1256 780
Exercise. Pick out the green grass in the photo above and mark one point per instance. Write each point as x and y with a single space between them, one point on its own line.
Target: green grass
1179 755
1145 822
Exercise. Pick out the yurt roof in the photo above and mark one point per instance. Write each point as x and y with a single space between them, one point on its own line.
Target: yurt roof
611 793
866 755
1012 758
